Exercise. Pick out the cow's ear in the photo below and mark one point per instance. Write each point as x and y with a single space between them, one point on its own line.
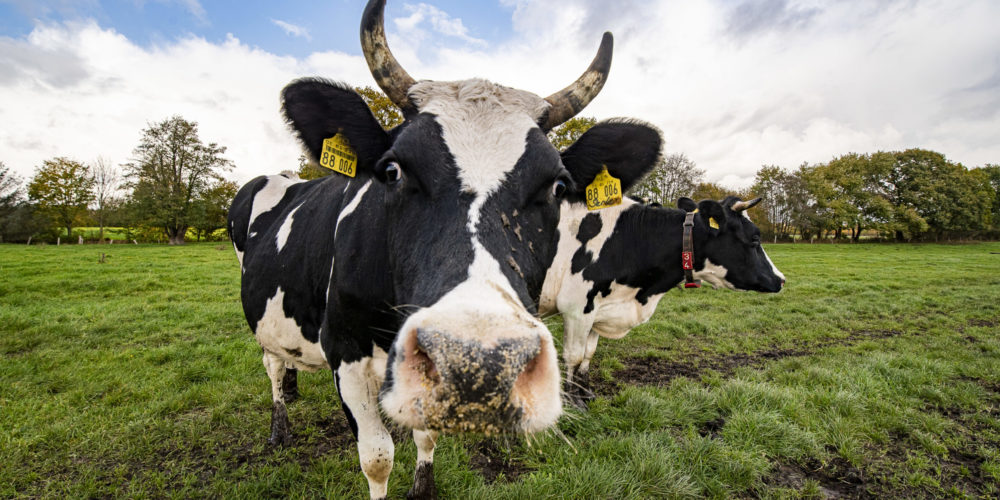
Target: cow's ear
629 148
686 204
711 210
319 109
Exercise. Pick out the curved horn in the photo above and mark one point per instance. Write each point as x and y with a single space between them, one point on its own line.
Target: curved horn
390 76
740 206
569 101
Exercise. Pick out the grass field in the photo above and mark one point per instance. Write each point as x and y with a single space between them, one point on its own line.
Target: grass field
875 373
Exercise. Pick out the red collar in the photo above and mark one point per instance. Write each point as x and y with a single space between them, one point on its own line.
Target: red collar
687 253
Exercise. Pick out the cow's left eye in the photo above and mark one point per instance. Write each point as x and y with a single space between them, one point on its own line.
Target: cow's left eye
393 173
559 189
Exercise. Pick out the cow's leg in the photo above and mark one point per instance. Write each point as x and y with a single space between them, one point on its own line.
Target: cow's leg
359 384
290 385
423 478
280 433
583 371
575 332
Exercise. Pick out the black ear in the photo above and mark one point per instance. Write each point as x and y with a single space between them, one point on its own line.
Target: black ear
710 210
686 204
318 109
629 148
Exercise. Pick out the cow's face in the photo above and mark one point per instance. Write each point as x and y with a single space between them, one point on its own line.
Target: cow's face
470 189
733 255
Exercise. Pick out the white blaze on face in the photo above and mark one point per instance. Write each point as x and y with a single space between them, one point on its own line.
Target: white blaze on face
774 268
485 128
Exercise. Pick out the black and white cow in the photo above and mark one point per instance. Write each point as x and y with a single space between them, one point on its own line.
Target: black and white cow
614 265
416 281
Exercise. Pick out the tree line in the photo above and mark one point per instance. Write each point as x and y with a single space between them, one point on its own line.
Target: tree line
172 185
911 195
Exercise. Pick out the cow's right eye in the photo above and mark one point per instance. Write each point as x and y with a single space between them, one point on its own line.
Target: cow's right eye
393 173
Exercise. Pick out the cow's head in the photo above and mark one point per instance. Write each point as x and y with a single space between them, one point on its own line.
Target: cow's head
469 190
733 256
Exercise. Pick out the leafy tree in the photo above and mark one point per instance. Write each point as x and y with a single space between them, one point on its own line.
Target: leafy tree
712 191
212 208
61 188
25 221
945 195
170 171
10 197
106 180
675 176
773 182
10 190
562 136
387 113
309 171
990 174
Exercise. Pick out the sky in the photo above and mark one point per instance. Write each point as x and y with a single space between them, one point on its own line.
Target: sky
732 84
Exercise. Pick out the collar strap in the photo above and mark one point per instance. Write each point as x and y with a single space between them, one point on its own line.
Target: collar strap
687 253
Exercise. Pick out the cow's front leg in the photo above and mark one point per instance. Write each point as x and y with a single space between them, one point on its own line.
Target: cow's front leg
574 350
583 371
359 383
281 435
290 385
423 479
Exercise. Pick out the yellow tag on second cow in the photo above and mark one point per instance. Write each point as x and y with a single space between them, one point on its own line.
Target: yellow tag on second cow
338 156
712 224
604 192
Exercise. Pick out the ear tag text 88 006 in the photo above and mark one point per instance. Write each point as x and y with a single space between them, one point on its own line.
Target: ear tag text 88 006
604 192
338 156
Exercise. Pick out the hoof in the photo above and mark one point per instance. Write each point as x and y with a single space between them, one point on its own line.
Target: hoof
282 441
281 434
423 483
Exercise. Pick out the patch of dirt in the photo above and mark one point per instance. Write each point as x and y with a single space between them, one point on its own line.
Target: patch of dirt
987 323
712 427
660 371
836 478
203 459
494 463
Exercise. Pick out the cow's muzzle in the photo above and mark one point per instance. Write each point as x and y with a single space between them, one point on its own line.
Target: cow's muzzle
456 383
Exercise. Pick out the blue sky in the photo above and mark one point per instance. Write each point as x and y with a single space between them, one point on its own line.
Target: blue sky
327 24
733 84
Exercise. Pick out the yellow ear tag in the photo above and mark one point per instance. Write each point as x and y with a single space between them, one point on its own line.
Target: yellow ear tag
338 156
604 192
712 223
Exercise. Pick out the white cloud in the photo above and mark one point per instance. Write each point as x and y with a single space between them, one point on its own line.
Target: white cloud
81 91
292 29
411 27
826 80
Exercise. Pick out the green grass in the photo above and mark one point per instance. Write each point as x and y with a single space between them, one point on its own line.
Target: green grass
876 372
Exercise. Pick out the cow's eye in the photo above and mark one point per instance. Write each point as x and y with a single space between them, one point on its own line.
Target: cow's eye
559 189
393 173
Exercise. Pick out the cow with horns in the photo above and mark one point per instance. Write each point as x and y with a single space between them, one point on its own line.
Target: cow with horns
416 281
614 265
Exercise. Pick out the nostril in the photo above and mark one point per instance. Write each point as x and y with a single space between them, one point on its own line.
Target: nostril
532 370
425 365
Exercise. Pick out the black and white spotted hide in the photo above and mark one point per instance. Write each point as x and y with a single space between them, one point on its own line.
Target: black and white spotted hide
416 282
614 265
